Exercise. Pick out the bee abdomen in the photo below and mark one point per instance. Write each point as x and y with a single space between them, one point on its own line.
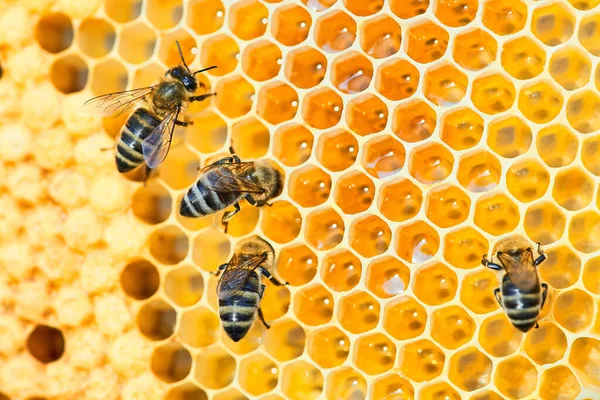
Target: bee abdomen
129 148
238 313
522 309
200 201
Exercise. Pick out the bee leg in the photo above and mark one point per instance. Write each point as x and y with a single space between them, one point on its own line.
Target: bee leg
262 318
250 200
106 148
273 280
219 269
147 172
234 156
183 123
497 296
487 263
229 214
544 294
224 161
542 256
201 97
536 325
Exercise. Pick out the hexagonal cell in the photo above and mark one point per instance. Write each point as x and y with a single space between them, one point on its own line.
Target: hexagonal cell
210 249
470 369
366 114
399 199
358 312
374 354
318 5
109 76
322 108
324 229
335 31
45 343
235 96
292 144
474 49
451 13
164 14
498 337
277 102
589 154
574 310
248 19
573 189
387 277
582 358
438 390
341 270
477 289
583 111
169 245
435 284
587 33
523 58
221 50
383 156
199 327
462 128
390 386
584 231
69 74
180 168
540 102
230 394
509 136
354 192
452 327
445 85
305 67
281 222
493 93
417 242
426 42
559 382
369 235
152 203
496 214
309 186
516 377
297 264
380 37
397 79
137 43
414 121
570 68
504 17
250 137
250 342
546 345
140 279
591 275
156 320
404 318
276 301
447 206
171 362
328 347
463 248
351 72
557 145
301 381
123 11
544 223
96 37
346 383
258 374
553 24
208 134
290 24
584 4
54 32
430 163
421 360
362 9
527 180
205 16
336 150
184 286
186 391
406 10
313 305
261 60
285 340
486 395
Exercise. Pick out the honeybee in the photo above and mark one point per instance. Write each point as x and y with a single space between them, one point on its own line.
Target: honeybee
240 288
523 296
226 182
148 132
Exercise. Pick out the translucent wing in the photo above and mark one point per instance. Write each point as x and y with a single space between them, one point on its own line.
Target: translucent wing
236 274
520 269
233 178
156 146
118 102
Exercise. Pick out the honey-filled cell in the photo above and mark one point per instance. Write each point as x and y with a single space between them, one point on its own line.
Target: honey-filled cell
234 97
581 358
557 145
123 11
492 93
277 102
405 10
374 353
417 242
341 270
369 235
164 14
445 85
404 318
292 136
336 150
221 50
523 58
171 362
509 136
559 382
358 312
248 19
516 377
345 383
477 291
290 24
540 102
435 284
297 264
387 276
322 108
186 391
570 67
366 115
305 67
527 180
430 163
397 79
426 42
137 44
301 380
553 24
328 347
452 327
447 206
582 111
215 359
546 345
313 305
474 49
205 16
285 340
363 8
414 121
392 386
399 199
354 192
462 128
335 31
479 171
544 222
261 60
421 360
351 72
156 320
281 222
184 286
324 228
309 186
380 37
54 32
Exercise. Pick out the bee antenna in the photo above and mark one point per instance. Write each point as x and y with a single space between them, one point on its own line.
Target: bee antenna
181 55
205 69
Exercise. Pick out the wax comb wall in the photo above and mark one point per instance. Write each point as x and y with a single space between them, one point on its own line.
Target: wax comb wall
413 135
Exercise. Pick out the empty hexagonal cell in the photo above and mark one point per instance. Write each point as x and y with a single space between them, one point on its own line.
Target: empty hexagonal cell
496 214
180 168
493 93
474 49
397 79
277 102
199 327
305 67
380 37
544 222
454 14
96 37
546 345
391 385
218 368
573 189
309 186
399 200
235 96
140 279
445 85
574 310
523 58
137 43
463 248
582 111
406 10
292 144
336 150
369 235
404 318
591 275
297 264
248 19
426 42
587 33
261 60
281 222
54 32
417 242
358 312
210 249
169 245
498 337
322 108
171 362
414 121
156 320
164 14
570 68
553 23
221 50
257 374
45 343
313 305
205 16
374 353
581 357
559 382
301 380
208 134
186 391
335 31
447 206
462 128
557 145
383 156
109 76
387 277
527 180
324 229
354 192
346 383
477 289
290 24
285 340
452 327
516 377
430 163
123 11
540 102
184 286
509 136
69 74
351 72
435 284
328 347
152 203
421 360
366 114
341 270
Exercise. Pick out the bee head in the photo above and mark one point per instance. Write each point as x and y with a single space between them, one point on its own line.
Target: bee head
184 76
269 178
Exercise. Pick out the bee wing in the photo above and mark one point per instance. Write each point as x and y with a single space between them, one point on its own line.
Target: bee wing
118 102
156 145
236 274
521 271
236 180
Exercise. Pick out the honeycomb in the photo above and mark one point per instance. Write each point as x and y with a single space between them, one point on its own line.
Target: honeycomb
414 134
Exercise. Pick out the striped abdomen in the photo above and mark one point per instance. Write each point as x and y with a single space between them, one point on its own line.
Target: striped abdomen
200 201
522 307
239 311
129 148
